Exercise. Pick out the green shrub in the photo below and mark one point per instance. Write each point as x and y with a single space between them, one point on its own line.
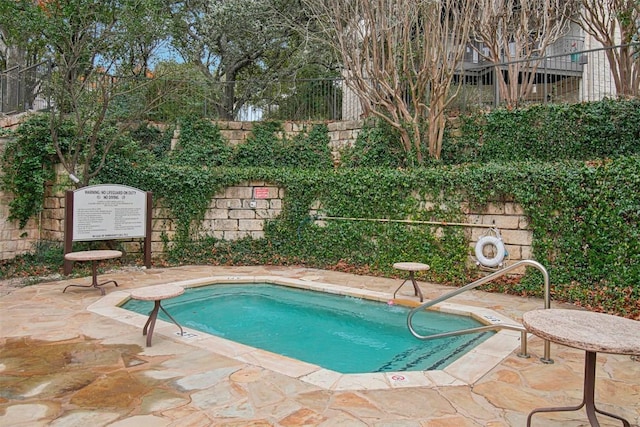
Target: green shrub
46 258
306 150
260 148
151 139
375 146
27 165
200 144
586 131
267 146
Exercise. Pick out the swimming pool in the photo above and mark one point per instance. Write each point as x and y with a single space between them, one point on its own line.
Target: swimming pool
337 332
468 369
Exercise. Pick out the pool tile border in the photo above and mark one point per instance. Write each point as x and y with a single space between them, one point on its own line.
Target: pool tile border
465 371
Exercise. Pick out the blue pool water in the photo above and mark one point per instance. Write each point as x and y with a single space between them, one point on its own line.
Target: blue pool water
344 334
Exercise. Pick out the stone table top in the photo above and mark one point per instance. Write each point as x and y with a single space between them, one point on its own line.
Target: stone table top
411 266
586 330
157 292
92 255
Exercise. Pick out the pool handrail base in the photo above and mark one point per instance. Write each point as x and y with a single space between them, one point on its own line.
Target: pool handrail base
523 341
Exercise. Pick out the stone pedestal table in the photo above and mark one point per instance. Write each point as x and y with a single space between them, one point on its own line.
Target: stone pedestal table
589 331
157 294
411 267
94 257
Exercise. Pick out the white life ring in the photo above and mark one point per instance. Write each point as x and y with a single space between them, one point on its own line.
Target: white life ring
500 251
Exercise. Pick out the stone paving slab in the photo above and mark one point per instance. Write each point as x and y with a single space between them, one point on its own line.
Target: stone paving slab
62 365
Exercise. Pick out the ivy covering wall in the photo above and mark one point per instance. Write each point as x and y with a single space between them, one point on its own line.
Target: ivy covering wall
578 181
585 131
585 219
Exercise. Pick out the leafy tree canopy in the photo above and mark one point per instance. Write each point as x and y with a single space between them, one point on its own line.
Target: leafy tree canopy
242 40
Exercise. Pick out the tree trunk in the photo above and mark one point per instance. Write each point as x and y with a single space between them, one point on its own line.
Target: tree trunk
625 70
436 125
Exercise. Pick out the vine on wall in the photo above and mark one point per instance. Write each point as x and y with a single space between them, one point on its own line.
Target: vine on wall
584 211
584 131
584 217
28 163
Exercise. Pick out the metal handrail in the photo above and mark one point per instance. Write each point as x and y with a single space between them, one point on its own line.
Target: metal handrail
523 344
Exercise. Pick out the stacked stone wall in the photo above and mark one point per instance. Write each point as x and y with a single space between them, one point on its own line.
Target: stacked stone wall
509 220
12 122
341 133
241 210
234 213
52 217
505 218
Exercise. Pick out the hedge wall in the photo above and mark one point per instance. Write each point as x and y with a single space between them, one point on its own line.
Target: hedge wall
585 219
575 169
585 131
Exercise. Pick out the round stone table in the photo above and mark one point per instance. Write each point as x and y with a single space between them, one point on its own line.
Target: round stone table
156 294
591 332
94 257
411 267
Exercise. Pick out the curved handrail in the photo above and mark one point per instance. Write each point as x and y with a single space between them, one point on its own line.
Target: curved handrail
479 282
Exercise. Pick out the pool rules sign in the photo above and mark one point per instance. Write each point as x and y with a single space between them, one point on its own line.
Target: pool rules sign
103 212
108 212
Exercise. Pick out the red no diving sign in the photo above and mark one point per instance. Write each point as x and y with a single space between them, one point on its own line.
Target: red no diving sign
261 193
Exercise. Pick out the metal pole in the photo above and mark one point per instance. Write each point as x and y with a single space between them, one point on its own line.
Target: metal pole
407 221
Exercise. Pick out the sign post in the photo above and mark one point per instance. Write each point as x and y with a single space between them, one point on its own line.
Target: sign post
105 212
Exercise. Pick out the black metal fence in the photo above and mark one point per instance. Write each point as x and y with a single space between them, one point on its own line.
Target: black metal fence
570 77
21 89
302 99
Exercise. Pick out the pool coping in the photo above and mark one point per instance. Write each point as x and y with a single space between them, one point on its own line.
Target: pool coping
466 370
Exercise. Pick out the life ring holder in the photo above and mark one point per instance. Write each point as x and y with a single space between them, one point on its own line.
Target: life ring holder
495 241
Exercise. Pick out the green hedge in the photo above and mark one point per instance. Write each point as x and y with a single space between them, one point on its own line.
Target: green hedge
585 131
584 216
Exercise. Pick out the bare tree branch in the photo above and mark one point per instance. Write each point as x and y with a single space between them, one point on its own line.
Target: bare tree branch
518 32
400 58
615 22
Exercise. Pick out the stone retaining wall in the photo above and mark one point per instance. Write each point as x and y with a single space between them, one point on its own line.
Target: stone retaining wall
54 204
234 213
341 134
242 210
509 218
14 241
12 122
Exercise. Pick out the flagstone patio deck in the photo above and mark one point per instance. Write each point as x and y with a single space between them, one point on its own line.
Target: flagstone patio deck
64 365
